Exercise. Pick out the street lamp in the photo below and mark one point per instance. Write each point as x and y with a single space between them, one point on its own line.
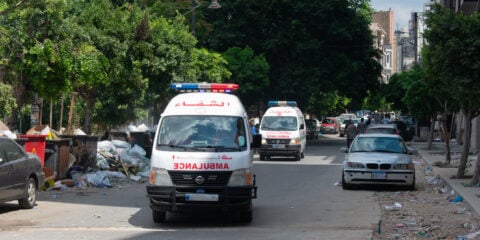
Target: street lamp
213 5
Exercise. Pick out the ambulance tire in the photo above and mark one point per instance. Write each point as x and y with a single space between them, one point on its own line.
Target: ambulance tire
302 155
159 216
246 216
262 157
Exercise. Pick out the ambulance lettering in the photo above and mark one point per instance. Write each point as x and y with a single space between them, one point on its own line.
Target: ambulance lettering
200 166
213 103
278 135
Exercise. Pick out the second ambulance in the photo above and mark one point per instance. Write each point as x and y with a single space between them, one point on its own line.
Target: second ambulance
283 131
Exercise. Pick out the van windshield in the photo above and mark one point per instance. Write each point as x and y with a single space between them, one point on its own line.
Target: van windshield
204 133
279 123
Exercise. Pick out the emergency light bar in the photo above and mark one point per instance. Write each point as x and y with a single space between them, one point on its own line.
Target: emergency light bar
282 103
205 87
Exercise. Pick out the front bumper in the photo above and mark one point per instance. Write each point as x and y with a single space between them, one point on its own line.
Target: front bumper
403 178
174 199
279 149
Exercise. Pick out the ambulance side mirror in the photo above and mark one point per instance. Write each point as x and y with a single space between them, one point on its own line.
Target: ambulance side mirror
302 126
257 141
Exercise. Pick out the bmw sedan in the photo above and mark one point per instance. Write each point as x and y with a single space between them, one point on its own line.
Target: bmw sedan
20 174
378 158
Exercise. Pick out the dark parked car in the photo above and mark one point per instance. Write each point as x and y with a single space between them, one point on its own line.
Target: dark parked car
406 131
20 174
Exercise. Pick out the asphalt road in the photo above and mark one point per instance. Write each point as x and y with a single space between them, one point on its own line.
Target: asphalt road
296 200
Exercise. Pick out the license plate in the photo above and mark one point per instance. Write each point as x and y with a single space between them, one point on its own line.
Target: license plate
379 175
201 197
278 145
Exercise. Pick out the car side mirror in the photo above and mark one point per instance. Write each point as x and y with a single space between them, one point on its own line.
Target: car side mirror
344 149
257 141
412 151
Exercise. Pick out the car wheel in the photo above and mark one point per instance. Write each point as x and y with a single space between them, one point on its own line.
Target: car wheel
262 157
159 216
412 186
30 195
345 185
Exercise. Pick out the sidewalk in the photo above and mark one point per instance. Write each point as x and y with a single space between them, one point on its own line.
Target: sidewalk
471 195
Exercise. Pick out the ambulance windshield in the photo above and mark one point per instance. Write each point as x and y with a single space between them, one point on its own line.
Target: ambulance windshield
279 123
204 133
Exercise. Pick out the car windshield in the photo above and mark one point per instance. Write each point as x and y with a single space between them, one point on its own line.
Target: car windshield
378 144
204 133
279 123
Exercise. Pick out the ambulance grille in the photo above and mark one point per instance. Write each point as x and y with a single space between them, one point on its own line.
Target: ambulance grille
278 141
187 178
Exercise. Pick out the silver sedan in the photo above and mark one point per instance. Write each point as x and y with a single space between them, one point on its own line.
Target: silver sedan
378 159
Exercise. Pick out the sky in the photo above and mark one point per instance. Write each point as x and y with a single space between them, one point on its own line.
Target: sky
402 9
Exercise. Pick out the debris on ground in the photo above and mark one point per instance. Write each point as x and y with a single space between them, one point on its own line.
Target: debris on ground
432 211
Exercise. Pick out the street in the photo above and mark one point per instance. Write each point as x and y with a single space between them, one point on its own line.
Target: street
296 200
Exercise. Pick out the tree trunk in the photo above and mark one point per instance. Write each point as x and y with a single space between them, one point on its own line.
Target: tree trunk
446 137
476 173
430 134
87 125
466 144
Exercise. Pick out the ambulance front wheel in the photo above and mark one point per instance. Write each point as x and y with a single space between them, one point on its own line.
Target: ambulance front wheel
246 216
159 216
298 156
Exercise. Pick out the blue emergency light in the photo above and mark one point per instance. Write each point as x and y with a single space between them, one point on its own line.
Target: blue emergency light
282 103
205 87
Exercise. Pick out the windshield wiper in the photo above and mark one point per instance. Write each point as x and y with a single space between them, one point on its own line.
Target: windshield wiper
182 147
221 148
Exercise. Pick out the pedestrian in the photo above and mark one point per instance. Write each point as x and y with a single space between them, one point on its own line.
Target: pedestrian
351 132
362 126
252 126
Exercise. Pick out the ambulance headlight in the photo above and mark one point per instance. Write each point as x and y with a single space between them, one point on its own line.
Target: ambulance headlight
159 176
295 141
264 141
240 177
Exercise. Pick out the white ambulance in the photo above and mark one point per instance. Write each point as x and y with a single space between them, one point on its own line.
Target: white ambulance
202 154
283 131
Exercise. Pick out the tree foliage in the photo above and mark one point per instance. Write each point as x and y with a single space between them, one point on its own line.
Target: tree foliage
310 46
250 72
452 65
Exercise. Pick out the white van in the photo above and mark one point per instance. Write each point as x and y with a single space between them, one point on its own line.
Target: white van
283 131
202 154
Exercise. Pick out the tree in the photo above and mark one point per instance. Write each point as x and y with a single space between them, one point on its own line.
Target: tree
451 56
250 72
7 100
310 46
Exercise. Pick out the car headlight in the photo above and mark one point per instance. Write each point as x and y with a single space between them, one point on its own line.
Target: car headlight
355 165
295 141
160 176
403 166
241 177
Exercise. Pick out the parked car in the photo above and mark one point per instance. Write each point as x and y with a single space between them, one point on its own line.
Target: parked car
383 128
21 174
329 125
378 159
404 130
